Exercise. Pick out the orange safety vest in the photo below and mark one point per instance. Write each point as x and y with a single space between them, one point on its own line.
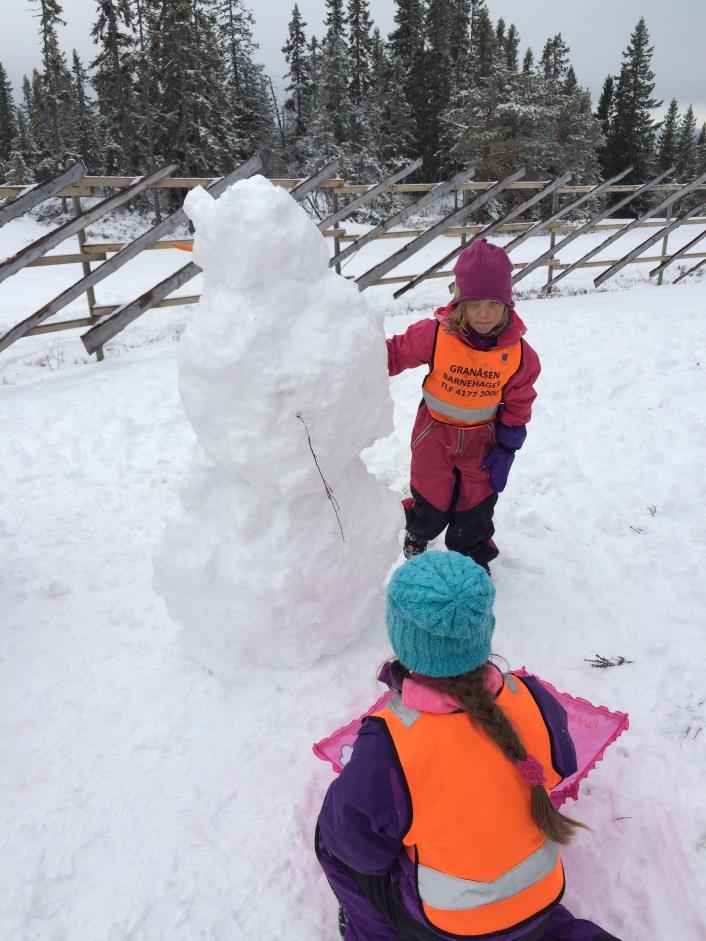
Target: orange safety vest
482 864
464 386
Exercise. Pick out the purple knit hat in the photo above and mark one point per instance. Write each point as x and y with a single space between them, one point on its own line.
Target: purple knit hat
483 272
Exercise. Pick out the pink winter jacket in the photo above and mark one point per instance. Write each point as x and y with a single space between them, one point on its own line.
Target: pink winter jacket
415 347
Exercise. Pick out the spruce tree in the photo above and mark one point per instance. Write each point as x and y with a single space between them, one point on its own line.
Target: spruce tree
528 62
460 41
83 128
667 143
51 93
438 70
554 63
512 46
687 154
335 98
112 80
8 125
406 44
318 144
195 130
16 169
299 87
632 132
147 99
393 129
500 33
360 43
701 149
24 140
570 82
483 47
248 95
604 111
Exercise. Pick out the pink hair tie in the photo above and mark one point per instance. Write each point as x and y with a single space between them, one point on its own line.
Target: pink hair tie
532 771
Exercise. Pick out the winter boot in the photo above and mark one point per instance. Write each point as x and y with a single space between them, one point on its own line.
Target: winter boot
413 545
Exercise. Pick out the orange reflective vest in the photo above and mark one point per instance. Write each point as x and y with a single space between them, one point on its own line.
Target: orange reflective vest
482 864
464 386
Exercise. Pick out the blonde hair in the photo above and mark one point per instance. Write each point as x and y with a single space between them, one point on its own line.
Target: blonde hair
456 321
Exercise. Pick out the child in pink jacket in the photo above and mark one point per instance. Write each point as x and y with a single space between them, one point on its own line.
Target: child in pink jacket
477 401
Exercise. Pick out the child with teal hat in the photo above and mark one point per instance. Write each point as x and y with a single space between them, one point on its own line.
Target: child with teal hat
440 825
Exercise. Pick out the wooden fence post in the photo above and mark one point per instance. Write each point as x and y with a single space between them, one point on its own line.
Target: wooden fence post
86 266
670 210
336 240
552 244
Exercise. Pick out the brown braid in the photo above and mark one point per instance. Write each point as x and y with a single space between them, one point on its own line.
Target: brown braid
471 692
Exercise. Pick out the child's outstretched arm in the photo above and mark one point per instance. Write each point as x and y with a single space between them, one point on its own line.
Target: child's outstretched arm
412 348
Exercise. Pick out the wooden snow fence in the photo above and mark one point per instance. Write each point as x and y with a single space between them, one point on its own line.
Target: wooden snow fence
466 196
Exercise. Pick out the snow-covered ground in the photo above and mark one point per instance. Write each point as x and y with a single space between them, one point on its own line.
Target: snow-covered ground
141 797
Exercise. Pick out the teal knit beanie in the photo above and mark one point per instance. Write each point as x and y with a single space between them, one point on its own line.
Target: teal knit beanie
440 617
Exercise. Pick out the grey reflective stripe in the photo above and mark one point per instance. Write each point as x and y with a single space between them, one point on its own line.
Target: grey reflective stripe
510 682
462 414
454 894
406 715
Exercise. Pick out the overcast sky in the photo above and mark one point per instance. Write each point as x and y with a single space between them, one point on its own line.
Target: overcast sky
597 32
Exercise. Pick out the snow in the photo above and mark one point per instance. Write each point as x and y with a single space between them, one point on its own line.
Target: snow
145 797
270 376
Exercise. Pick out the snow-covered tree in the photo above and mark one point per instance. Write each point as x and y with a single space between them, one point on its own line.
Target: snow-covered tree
631 135
195 129
438 69
16 169
299 87
8 125
393 128
687 152
360 49
701 148
51 94
554 62
335 99
112 80
668 137
248 99
512 46
83 129
406 43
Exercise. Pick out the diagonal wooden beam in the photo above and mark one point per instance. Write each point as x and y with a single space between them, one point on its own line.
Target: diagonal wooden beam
426 200
381 269
368 197
639 249
565 210
42 245
108 327
306 186
121 258
582 230
678 254
685 274
37 194
487 230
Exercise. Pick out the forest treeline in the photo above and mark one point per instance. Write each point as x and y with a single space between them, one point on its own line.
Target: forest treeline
178 80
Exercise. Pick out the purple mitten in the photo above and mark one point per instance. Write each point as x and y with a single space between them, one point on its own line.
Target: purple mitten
509 438
499 461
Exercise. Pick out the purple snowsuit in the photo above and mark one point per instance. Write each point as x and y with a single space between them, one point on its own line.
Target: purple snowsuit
365 813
